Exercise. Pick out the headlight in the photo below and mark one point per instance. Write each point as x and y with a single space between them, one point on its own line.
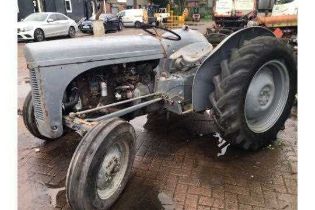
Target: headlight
27 28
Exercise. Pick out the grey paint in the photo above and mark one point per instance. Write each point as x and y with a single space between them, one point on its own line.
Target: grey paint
70 51
177 90
58 62
202 85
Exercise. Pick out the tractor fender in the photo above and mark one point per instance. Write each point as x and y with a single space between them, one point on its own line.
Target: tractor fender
202 83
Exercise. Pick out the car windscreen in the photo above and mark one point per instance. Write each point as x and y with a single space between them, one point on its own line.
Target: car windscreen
36 17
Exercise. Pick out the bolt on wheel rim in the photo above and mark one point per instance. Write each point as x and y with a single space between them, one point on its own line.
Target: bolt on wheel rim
112 170
266 96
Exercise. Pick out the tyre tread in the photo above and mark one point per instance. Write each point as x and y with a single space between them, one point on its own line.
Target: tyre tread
230 83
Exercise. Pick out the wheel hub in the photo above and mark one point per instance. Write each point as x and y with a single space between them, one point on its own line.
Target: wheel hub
112 170
266 96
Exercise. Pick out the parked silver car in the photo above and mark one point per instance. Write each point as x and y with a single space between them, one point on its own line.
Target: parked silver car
38 26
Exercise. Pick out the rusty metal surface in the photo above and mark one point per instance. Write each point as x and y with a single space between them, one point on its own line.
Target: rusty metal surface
125 111
111 105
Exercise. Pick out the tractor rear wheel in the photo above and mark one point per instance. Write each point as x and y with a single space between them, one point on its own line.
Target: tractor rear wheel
101 165
254 92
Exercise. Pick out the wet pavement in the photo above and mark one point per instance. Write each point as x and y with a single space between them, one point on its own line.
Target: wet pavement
176 166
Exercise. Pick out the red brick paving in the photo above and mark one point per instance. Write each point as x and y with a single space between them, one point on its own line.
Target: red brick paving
188 172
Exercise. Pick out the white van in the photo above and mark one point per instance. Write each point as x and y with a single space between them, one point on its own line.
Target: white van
133 17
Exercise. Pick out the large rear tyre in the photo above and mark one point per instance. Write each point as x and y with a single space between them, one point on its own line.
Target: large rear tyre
254 92
29 118
101 165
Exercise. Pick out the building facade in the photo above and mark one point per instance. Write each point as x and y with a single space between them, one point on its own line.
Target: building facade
75 9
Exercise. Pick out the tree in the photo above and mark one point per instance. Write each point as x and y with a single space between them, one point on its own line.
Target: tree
98 26
100 9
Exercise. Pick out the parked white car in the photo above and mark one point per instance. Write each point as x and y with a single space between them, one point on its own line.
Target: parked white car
133 17
38 26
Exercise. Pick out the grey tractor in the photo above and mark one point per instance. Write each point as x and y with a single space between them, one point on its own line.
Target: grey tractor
95 85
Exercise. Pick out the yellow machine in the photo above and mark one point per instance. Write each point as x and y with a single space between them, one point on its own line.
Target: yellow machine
174 21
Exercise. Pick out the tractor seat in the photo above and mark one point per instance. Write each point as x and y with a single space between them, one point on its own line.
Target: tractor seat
193 52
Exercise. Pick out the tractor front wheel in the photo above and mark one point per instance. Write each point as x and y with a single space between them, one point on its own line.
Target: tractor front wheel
29 118
101 165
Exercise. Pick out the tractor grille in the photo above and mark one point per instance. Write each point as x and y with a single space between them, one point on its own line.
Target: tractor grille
38 112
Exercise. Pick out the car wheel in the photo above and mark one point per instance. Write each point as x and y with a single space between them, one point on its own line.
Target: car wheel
254 92
101 165
39 35
71 32
120 26
137 24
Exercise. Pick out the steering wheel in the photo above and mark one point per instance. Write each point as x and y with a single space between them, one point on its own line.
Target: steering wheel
146 28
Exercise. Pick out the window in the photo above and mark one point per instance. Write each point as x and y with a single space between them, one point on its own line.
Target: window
36 17
61 17
68 5
53 17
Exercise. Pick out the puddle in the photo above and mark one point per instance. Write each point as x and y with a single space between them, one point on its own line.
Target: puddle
138 195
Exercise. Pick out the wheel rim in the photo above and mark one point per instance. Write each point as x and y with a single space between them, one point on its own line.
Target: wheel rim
72 33
112 170
39 35
266 96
